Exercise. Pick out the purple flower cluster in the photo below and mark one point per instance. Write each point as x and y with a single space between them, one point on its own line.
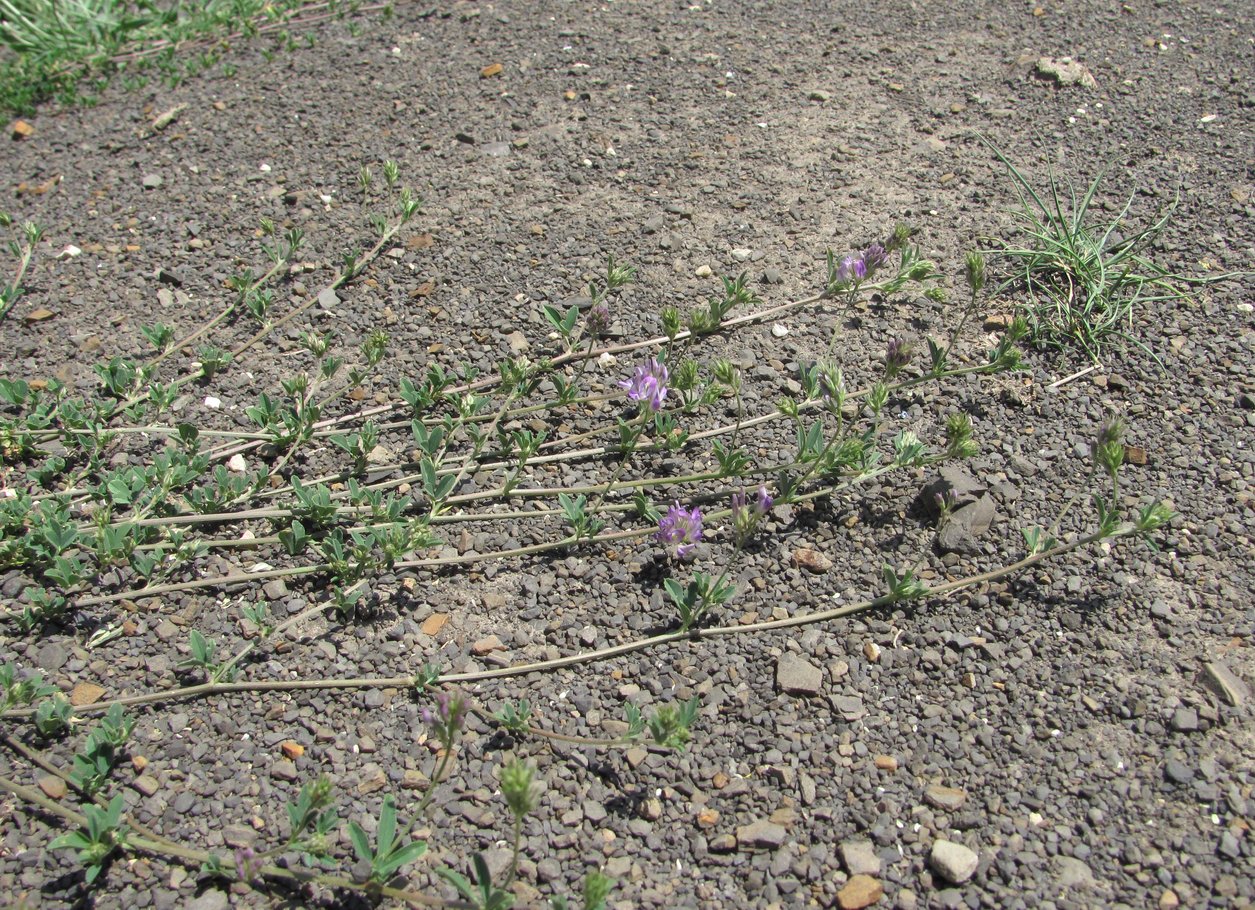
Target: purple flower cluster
247 864
648 384
897 356
680 528
446 720
597 322
761 505
857 269
747 513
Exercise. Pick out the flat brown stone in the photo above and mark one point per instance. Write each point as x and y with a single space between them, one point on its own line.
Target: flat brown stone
860 891
812 561
434 623
85 694
487 646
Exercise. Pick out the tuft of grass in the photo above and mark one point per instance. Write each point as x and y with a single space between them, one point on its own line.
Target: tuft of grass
1084 277
67 49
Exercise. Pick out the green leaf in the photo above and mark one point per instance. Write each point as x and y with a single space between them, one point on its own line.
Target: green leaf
387 827
401 857
74 840
460 882
361 844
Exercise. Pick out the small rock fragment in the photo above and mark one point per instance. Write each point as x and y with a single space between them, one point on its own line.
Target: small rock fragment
152 181
487 645
703 271
811 560
1225 683
1066 71
291 749
53 786
707 818
886 763
172 276
779 331
21 130
964 525
1184 720
238 836
819 95
953 862
859 892
1071 872
850 707
210 900
1176 771
85 694
798 677
237 464
283 770
69 252
434 623
859 857
492 69
373 778
948 799
761 833
724 843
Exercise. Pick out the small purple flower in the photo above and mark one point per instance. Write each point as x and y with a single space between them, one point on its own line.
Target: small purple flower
851 269
747 515
680 528
446 720
764 501
597 322
897 356
246 864
648 384
874 257
832 385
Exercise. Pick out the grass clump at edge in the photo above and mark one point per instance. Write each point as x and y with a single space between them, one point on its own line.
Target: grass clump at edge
1084 278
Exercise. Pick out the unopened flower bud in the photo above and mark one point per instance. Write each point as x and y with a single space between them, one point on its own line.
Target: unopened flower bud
974 271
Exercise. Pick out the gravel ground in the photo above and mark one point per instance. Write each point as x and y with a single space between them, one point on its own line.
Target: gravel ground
1076 736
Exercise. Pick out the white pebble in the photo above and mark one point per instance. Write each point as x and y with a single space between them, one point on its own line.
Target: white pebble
237 464
211 402
69 252
779 330
261 567
607 359
264 168
740 255
703 271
